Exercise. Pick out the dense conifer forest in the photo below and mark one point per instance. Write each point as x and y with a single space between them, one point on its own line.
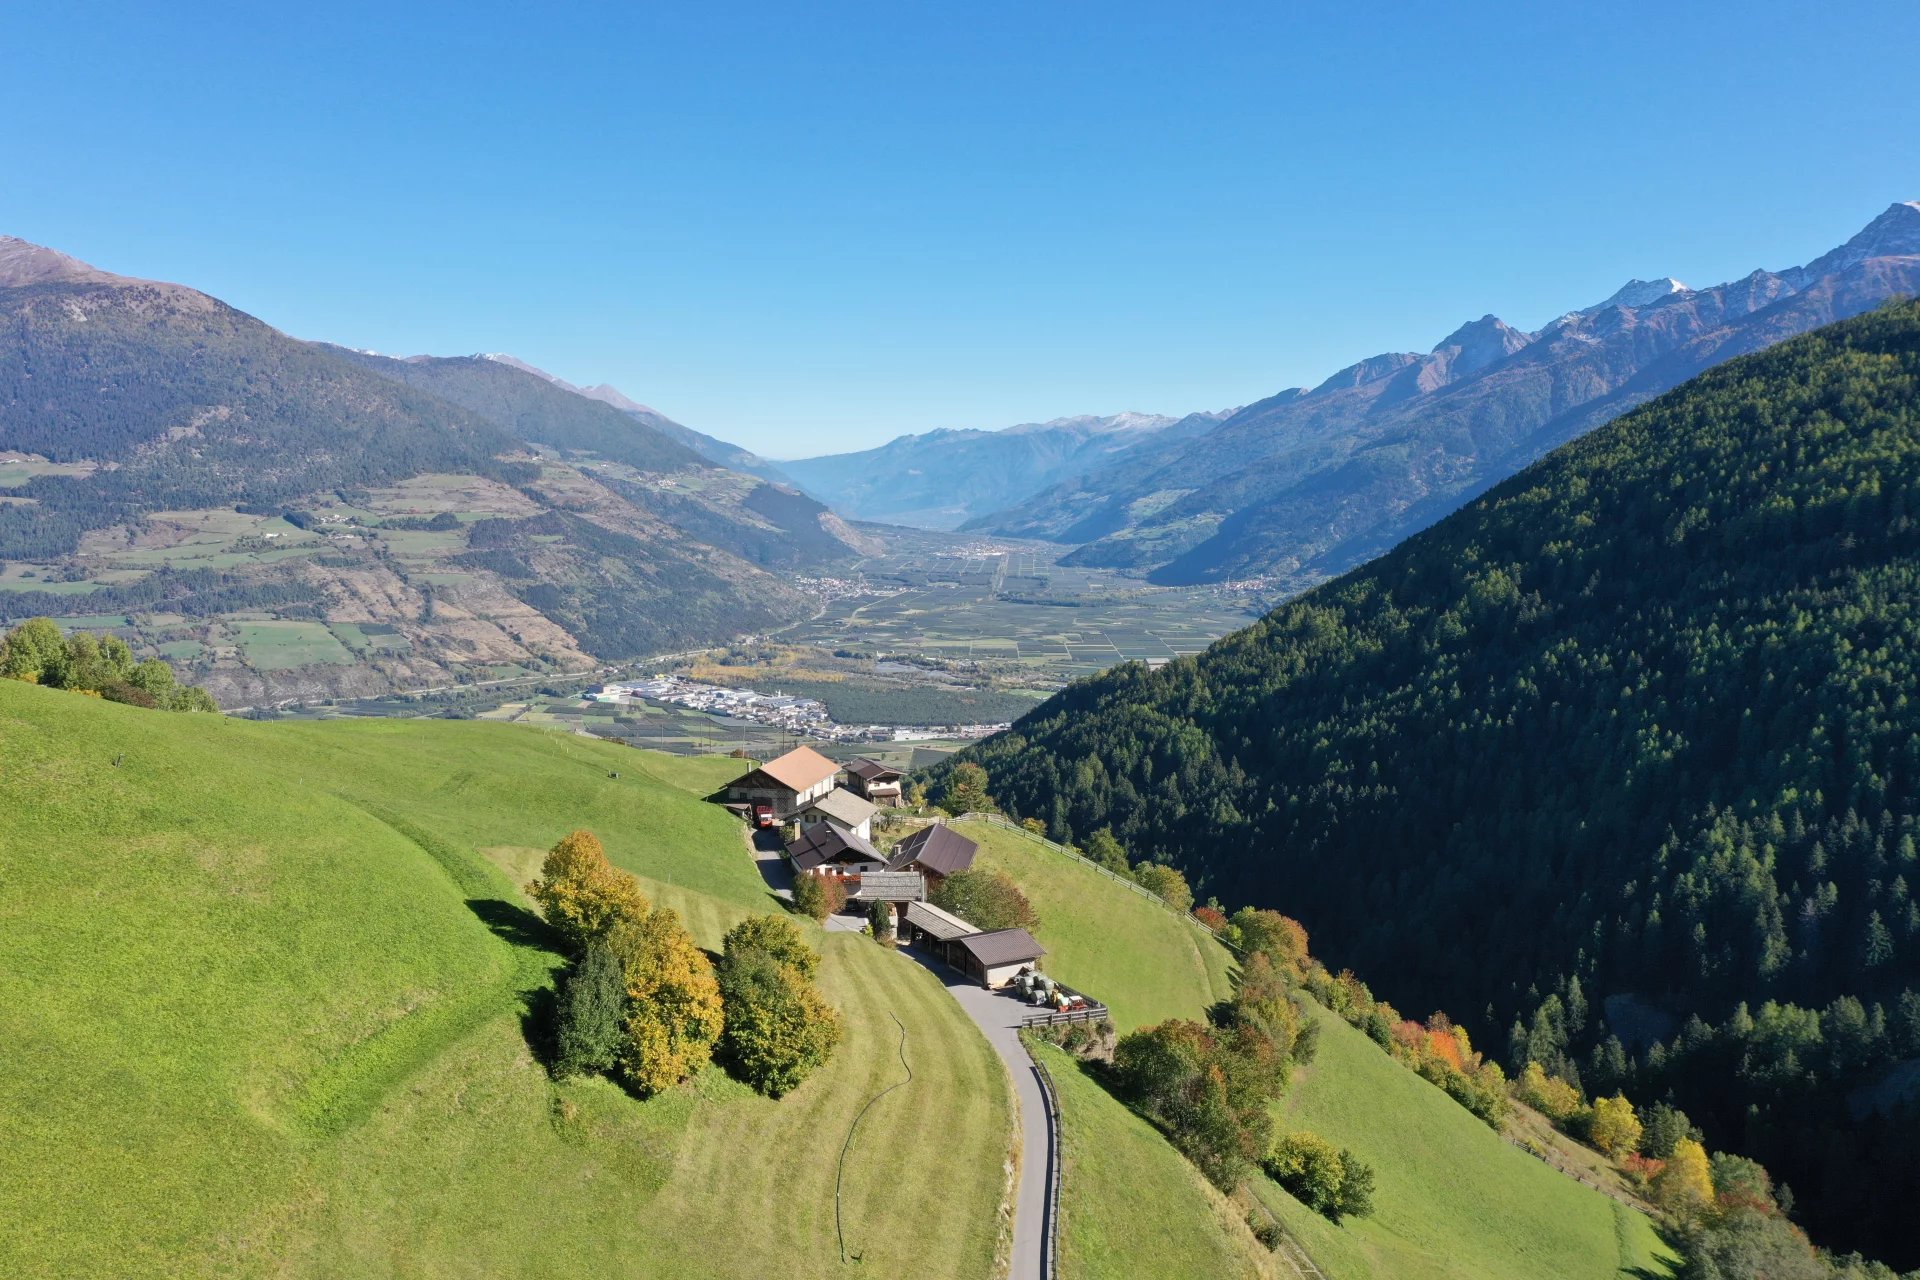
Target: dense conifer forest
1618 765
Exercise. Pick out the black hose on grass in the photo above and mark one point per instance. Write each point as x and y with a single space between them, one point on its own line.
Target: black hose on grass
840 1174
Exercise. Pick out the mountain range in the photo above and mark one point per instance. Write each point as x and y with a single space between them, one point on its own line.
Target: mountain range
944 479
1309 482
149 417
1617 765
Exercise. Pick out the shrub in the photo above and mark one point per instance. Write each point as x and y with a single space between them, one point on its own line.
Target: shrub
1203 1091
582 894
880 920
674 1011
819 896
1332 1182
1551 1096
778 936
986 899
593 1004
779 1028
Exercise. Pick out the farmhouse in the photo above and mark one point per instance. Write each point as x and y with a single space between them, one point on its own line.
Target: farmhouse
878 782
788 783
842 806
828 848
936 852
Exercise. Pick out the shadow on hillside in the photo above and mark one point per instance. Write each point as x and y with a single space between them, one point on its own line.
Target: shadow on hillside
540 1005
516 925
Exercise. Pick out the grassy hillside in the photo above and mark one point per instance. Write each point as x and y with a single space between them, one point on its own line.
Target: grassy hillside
263 996
1130 1204
1128 951
1453 1199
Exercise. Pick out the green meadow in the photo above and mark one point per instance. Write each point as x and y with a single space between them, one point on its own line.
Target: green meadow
267 995
1453 1201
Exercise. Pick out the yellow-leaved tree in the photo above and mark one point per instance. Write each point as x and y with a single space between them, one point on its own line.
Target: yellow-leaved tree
674 1014
582 894
1684 1188
1615 1129
1551 1096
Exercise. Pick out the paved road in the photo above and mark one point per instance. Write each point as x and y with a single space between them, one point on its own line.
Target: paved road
999 1018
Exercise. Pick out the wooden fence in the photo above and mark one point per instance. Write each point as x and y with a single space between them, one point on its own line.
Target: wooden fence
1002 822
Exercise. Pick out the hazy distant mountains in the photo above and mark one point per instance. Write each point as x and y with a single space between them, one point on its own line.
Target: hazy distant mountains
1307 483
942 479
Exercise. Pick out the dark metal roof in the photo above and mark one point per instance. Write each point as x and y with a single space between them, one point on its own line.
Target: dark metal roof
1002 946
931 920
939 849
867 770
828 841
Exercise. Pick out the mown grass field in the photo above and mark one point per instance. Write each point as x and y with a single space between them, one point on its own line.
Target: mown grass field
1143 961
1454 1201
264 989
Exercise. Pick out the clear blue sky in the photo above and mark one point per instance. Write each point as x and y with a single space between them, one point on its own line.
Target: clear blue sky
809 227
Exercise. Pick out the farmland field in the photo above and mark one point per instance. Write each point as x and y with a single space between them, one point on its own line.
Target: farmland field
278 645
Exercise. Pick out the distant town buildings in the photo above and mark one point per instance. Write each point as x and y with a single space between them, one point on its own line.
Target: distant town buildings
803 716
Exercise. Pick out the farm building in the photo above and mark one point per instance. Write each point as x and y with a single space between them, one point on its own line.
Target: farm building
995 958
878 782
936 852
788 783
830 849
842 806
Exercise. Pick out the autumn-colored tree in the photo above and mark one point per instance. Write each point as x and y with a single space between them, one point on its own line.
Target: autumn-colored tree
1551 1096
582 894
1033 826
1684 1188
778 936
1615 1128
819 896
1741 1183
1212 917
1166 884
779 1027
1281 937
674 1013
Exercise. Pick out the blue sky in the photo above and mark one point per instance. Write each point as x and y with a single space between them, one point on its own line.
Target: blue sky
811 227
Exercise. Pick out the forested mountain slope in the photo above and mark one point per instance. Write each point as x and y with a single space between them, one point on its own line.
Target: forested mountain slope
1306 484
1625 751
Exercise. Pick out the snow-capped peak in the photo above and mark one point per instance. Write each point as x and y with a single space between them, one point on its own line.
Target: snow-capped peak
1641 293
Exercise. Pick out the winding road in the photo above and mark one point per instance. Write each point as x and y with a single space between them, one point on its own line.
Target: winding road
999 1018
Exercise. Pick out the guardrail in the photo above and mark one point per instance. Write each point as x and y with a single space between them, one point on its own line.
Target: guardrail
1050 1238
